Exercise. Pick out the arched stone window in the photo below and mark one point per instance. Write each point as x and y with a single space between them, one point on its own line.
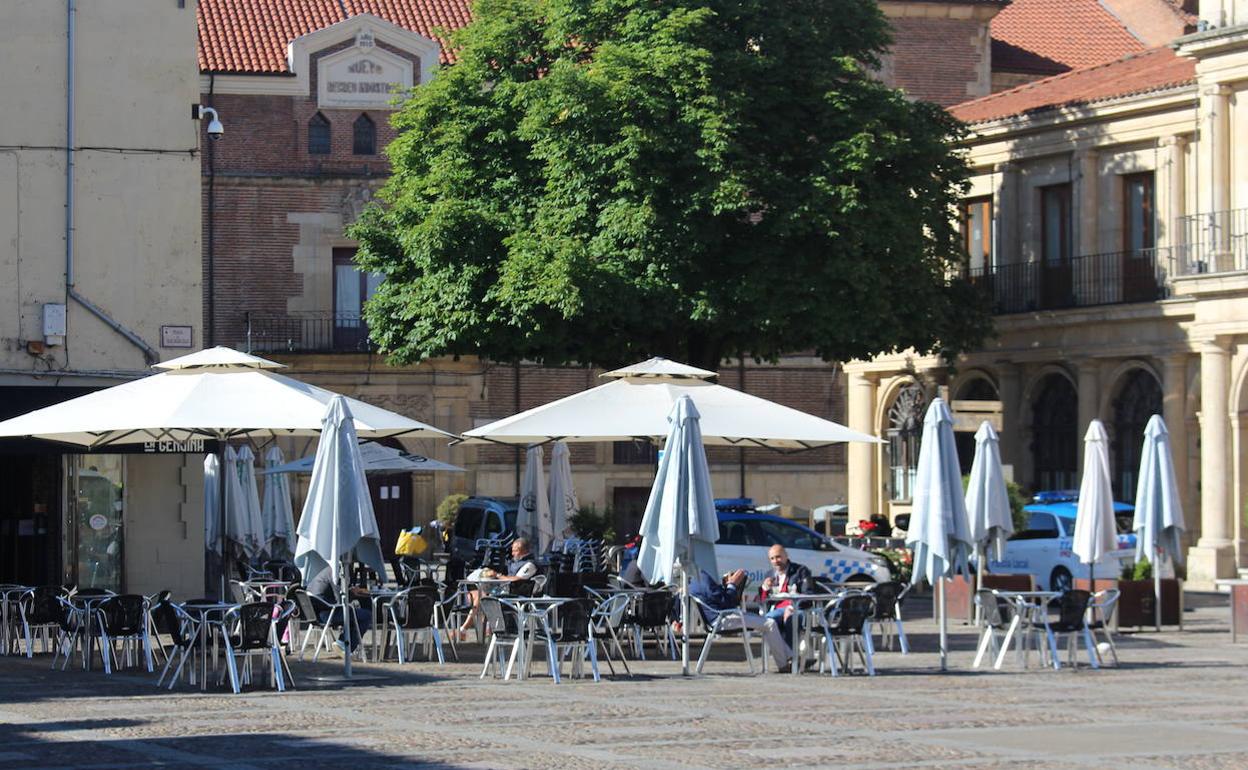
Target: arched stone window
905 432
364 136
1138 399
318 135
1054 433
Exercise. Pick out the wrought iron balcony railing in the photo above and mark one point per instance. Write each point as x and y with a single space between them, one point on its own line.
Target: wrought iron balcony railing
1084 281
1213 242
307 332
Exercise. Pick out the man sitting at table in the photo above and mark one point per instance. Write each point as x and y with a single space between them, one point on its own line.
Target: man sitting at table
786 577
726 595
323 587
521 567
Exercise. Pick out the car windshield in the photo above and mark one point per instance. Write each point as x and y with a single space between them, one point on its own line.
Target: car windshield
1124 525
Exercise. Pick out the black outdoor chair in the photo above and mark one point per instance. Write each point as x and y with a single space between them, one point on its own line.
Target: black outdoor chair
183 633
565 585
251 632
887 617
308 609
1071 622
846 629
123 620
415 610
571 634
996 612
42 614
652 612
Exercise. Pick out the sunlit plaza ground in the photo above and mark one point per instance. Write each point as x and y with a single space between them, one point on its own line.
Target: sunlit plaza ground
1179 699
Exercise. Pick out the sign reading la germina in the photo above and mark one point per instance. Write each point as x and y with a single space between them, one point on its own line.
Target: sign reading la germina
363 75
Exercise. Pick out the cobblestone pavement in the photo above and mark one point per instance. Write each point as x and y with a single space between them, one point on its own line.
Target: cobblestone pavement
1178 700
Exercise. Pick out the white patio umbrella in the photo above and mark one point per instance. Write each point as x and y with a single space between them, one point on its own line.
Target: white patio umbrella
1096 532
212 501
276 510
338 516
679 528
244 527
218 394
377 459
987 502
939 532
562 493
533 519
1158 520
639 398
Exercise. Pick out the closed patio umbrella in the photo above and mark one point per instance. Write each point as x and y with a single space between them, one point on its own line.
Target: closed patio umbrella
338 516
939 532
533 519
244 528
1096 532
276 510
1158 520
216 394
988 501
679 526
562 493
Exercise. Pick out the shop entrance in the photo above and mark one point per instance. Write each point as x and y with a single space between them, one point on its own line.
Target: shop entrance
30 521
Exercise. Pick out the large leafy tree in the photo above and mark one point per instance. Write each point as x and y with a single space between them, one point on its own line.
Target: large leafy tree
596 181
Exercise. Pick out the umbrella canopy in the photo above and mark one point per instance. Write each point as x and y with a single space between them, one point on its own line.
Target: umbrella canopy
377 459
939 532
212 502
1158 520
214 394
638 401
680 521
276 510
533 520
338 513
987 499
244 528
1096 532
562 493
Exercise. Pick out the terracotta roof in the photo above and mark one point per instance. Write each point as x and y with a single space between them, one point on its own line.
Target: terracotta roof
1033 35
1152 70
250 36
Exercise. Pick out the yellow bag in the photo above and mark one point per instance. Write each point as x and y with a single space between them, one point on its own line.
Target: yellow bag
410 544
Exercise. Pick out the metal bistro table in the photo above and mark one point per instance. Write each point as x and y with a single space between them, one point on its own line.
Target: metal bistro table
10 594
534 614
204 611
87 605
801 621
267 590
1026 605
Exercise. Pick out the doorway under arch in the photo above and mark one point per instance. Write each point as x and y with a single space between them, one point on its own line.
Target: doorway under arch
1139 398
1054 431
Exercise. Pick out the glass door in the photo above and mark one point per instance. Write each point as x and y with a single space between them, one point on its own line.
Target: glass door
96 513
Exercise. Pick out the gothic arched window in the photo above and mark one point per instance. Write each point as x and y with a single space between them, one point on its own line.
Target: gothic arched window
905 431
318 135
1054 429
1138 399
365 136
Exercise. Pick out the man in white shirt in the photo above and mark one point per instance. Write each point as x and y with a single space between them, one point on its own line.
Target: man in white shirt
521 567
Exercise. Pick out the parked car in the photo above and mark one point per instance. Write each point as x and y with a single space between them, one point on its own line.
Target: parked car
1043 548
478 518
745 537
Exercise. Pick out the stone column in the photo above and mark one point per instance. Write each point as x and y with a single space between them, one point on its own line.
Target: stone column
861 470
1174 412
1010 391
1089 399
1172 185
1086 203
1214 172
1005 215
1213 555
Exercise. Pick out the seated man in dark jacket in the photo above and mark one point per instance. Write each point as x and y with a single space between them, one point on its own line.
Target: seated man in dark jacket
726 595
786 577
323 587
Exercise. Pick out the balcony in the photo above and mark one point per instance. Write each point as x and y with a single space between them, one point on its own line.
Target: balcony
307 332
1213 242
1085 281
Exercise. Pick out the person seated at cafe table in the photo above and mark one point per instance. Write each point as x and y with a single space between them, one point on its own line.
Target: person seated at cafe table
324 588
786 577
521 567
725 594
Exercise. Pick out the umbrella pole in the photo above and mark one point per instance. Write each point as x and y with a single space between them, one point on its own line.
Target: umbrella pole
944 631
684 623
979 579
1157 589
221 512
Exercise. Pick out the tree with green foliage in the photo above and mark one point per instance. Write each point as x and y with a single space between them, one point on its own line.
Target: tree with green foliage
597 181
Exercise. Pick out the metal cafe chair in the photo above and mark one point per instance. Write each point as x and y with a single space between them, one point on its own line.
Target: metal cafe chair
846 630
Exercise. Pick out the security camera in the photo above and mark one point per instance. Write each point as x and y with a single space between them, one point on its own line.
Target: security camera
215 129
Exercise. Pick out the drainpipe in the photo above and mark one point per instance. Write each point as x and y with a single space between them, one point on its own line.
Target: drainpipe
210 322
149 353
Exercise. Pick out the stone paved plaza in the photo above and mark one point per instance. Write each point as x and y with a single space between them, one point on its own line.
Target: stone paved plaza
1180 700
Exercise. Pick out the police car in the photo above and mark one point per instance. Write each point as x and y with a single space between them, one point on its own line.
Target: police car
1043 549
746 535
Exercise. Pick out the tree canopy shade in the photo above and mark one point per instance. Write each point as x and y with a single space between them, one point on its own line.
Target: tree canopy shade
598 181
